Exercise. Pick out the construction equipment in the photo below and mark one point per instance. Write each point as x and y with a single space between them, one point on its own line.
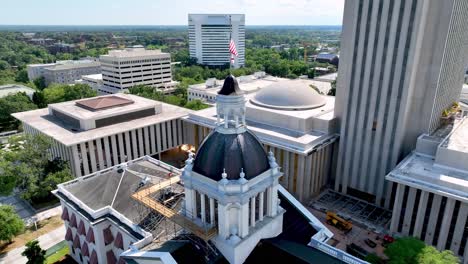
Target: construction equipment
334 220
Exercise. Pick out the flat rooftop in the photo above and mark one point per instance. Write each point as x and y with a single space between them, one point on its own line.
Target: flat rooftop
73 65
52 126
445 172
132 52
457 140
14 88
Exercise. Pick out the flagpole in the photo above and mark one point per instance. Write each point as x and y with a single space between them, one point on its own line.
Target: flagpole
231 59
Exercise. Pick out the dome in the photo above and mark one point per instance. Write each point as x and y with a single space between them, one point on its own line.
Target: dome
231 152
289 95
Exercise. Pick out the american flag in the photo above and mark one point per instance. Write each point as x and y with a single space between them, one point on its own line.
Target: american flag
232 50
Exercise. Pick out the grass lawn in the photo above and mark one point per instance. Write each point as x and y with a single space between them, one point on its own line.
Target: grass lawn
58 255
30 233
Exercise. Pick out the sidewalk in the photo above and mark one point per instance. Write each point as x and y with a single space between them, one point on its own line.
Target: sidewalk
45 241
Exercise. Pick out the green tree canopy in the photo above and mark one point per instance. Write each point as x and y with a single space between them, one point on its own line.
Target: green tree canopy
412 250
57 93
31 169
10 223
34 253
10 104
40 83
22 76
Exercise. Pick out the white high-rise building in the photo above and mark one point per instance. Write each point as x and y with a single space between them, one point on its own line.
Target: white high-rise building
209 36
401 65
122 69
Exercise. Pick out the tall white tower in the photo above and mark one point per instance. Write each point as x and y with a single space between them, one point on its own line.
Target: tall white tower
209 36
401 65
232 183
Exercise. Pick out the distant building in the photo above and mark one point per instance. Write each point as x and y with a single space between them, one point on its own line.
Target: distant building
392 87
94 81
327 58
431 199
122 69
16 88
97 133
208 90
209 36
63 72
61 48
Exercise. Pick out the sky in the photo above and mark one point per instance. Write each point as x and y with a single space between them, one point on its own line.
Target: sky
166 12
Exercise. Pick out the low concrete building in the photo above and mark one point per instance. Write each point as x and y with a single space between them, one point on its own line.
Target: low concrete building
64 72
431 200
94 81
8 89
101 132
294 122
123 69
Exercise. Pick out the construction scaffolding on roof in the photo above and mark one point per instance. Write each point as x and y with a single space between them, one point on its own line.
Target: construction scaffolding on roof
151 197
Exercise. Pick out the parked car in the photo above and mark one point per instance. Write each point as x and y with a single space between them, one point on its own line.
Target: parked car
370 243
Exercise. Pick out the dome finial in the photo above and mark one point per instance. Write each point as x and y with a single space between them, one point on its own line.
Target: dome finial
224 174
242 179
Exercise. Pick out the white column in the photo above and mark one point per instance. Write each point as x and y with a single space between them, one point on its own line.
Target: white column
170 143
418 225
107 152
459 228
226 120
300 178
121 145
408 211
397 208
158 138
84 158
212 211
180 132
163 136
76 160
141 150
128 149
260 205
152 141
147 140
114 150
433 219
446 221
134 144
92 155
202 206
252 211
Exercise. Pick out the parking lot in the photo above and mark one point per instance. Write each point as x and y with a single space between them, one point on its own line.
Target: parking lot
23 209
373 217
369 221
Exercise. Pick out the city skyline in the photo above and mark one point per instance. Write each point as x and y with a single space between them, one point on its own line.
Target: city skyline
145 12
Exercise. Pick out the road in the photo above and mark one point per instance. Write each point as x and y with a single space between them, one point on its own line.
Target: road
45 241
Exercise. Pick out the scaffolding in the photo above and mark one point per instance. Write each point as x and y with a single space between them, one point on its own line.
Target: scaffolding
166 209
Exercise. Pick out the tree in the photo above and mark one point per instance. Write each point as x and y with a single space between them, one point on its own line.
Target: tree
10 222
332 91
196 105
57 93
40 83
311 73
31 169
39 99
22 76
10 104
412 250
34 253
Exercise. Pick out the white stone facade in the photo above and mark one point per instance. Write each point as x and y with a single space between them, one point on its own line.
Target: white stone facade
209 36
122 69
